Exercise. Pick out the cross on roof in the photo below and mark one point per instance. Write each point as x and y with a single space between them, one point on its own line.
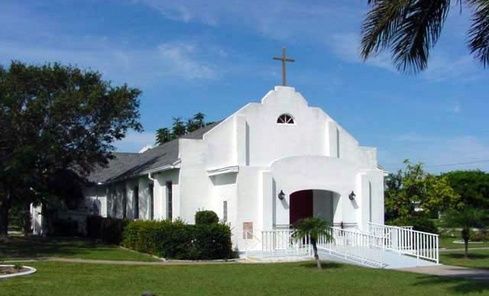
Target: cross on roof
284 60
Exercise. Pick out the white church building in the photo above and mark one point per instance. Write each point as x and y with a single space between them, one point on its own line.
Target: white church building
262 168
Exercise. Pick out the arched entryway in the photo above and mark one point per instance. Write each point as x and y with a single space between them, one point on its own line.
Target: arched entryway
312 203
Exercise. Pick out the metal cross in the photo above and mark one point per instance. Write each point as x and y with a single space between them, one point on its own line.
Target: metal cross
284 60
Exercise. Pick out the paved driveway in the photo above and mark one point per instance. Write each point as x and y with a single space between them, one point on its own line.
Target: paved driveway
451 271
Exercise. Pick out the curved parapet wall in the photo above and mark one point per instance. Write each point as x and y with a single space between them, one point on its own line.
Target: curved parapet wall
314 172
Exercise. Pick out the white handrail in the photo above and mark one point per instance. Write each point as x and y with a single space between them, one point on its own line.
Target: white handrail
420 244
347 244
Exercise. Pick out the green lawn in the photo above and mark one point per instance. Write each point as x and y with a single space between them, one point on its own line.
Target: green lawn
55 278
447 242
22 248
477 258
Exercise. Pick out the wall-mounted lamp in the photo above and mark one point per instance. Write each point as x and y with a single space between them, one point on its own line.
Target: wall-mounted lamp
352 195
281 195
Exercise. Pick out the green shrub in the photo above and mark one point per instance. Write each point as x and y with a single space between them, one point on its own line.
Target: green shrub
480 235
93 225
177 240
206 217
64 227
418 222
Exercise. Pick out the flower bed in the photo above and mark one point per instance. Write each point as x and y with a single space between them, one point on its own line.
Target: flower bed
8 271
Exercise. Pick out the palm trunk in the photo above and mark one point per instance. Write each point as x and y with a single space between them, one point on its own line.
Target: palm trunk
465 237
316 256
27 219
4 210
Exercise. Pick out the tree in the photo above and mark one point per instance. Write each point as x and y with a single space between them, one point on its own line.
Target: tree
199 119
466 218
472 186
56 121
314 228
163 135
410 28
412 188
180 128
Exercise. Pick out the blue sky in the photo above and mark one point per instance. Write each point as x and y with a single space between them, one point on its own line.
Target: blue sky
215 56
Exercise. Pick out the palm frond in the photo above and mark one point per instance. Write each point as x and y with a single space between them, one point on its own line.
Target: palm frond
312 227
380 24
418 33
479 31
409 28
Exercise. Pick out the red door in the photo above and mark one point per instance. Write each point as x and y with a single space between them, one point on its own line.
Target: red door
300 205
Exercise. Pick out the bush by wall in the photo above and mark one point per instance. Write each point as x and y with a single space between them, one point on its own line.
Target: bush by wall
109 230
64 227
206 217
177 240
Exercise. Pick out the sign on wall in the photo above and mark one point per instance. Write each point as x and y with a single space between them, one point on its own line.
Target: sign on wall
247 230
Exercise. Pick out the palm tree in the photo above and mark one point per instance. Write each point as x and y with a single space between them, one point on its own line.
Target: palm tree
163 135
178 127
314 228
199 119
410 28
465 218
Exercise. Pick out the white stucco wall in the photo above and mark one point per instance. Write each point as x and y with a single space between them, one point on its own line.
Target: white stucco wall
160 194
97 195
248 158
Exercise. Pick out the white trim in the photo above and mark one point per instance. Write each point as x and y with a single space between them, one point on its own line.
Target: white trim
223 170
175 165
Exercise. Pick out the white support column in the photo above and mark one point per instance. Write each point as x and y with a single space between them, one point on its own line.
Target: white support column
267 195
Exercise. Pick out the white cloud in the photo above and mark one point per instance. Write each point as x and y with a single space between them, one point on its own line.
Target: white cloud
141 66
347 47
274 18
442 67
135 141
179 57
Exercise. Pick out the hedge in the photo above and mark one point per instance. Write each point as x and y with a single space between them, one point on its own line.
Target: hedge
206 217
177 240
109 230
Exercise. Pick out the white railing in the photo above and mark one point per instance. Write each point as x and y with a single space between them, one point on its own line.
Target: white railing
353 245
281 241
349 245
405 240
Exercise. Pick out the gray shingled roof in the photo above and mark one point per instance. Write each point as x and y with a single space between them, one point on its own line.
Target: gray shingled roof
126 165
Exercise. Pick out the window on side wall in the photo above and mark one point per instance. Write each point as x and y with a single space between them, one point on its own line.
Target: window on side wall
225 211
135 194
151 201
169 200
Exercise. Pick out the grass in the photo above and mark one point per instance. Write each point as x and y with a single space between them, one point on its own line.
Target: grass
24 248
477 258
55 278
447 242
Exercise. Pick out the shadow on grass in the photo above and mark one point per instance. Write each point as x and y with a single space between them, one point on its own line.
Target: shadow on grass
36 247
457 285
324 264
462 256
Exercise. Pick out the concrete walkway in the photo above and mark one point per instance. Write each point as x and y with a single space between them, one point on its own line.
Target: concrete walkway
121 262
462 249
451 271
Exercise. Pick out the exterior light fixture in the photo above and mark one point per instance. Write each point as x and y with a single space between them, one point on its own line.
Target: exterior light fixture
352 195
281 195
